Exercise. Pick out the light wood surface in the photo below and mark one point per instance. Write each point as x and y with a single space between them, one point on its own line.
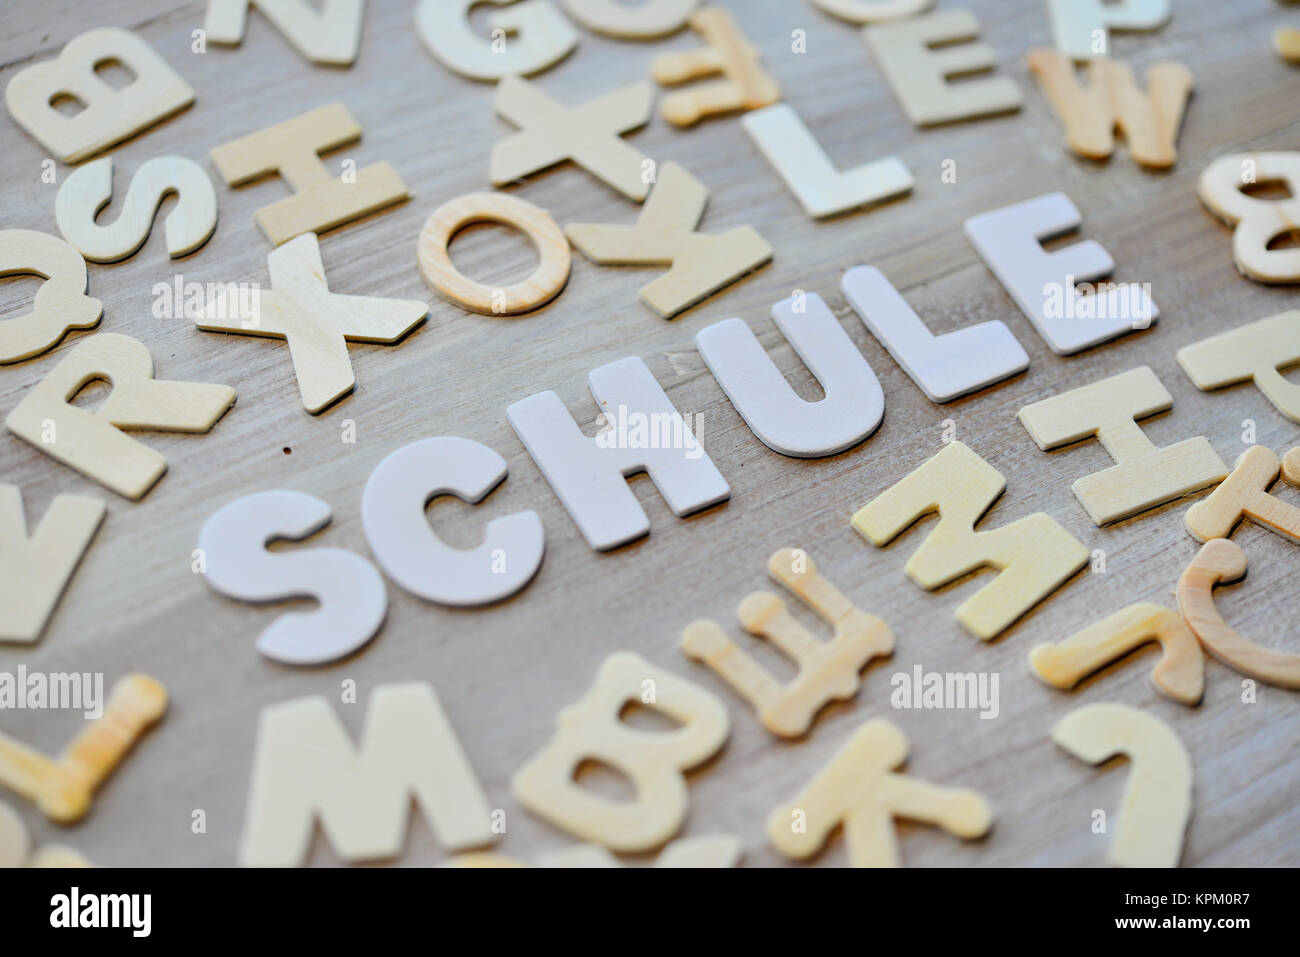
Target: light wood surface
503 672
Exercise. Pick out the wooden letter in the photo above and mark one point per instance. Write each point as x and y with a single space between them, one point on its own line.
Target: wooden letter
1254 352
291 149
744 85
91 442
553 260
328 32
1180 673
1143 475
589 134
1220 561
919 74
828 671
306 768
1033 556
1244 494
316 323
592 730
16 846
61 302
1287 42
63 788
35 569
1158 800
1112 99
860 789
665 234
110 115
1257 222
89 189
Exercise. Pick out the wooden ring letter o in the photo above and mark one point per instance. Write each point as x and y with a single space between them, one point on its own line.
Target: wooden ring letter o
538 289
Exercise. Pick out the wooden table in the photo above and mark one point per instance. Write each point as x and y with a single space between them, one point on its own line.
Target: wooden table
504 672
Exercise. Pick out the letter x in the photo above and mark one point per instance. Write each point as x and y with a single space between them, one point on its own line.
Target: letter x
589 134
316 323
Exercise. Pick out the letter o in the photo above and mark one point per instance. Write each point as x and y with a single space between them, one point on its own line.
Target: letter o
536 223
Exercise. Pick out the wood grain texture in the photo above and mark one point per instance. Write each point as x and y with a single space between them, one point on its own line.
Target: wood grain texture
317 324
503 672
440 229
108 114
187 227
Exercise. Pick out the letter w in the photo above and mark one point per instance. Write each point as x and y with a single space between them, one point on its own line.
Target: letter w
1113 99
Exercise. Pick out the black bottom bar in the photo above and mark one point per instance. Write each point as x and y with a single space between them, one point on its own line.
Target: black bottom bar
334 906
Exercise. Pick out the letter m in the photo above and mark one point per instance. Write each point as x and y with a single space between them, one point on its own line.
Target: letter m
307 769
1032 556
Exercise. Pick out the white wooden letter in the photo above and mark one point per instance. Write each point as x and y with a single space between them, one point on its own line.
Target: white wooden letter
784 422
643 433
350 592
392 511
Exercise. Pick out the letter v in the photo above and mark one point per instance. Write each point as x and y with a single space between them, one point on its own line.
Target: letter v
34 570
